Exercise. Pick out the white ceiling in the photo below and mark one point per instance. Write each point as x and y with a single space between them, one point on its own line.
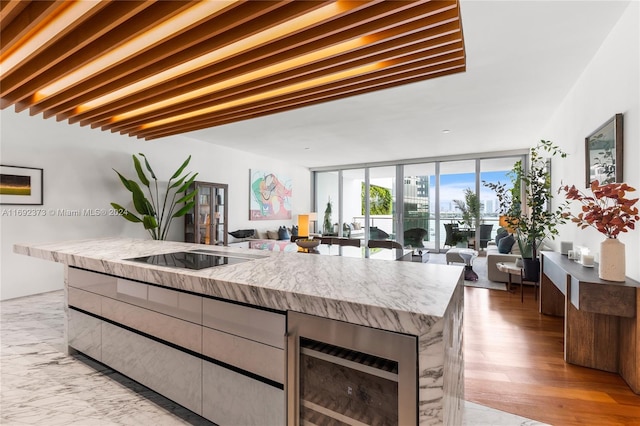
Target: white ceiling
522 59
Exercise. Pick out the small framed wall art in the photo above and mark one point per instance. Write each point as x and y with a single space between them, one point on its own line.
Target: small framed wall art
20 185
603 152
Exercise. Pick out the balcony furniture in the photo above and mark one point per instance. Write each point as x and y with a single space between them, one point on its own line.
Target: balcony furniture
485 234
602 318
387 244
456 235
377 234
414 237
451 234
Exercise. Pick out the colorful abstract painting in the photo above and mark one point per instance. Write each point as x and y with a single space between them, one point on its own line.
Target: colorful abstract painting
270 196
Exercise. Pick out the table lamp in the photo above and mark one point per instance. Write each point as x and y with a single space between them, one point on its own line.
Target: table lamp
303 225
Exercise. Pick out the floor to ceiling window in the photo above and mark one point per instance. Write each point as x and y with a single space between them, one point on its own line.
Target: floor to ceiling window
457 207
494 170
353 218
415 203
327 201
418 207
382 198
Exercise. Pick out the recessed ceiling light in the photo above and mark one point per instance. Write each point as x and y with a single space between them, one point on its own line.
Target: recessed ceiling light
445 131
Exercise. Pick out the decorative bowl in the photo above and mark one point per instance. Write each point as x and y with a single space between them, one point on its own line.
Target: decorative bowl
307 244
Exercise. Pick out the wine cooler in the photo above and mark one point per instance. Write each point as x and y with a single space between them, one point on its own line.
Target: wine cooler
346 374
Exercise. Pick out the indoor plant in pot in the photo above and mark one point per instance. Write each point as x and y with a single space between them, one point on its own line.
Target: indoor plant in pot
156 212
610 212
528 210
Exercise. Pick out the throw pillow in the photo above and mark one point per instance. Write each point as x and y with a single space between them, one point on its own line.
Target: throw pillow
505 244
242 233
272 235
283 234
501 235
294 231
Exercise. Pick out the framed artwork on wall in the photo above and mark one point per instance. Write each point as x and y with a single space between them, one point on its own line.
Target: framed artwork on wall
270 196
20 185
603 152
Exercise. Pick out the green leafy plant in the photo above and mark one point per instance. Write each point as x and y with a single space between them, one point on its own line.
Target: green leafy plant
156 213
508 195
526 203
326 224
470 208
380 200
537 220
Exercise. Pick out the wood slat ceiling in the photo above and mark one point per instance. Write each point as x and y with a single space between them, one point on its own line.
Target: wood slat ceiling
151 69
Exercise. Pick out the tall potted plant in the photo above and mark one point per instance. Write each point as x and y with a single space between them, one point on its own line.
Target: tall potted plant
537 220
156 212
530 213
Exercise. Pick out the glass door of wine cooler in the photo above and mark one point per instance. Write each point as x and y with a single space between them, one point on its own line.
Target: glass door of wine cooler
340 373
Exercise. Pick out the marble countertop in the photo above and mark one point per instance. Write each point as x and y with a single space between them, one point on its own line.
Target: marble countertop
397 296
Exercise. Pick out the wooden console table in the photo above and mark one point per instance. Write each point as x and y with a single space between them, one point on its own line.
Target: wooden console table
602 321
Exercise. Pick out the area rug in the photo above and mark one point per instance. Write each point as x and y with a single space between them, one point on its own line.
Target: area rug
479 266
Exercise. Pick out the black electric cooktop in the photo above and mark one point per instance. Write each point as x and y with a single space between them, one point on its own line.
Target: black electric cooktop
192 259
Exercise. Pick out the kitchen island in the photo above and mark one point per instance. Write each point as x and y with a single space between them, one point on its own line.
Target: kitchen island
216 340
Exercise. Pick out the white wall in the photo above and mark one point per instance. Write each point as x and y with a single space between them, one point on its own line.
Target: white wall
610 84
78 162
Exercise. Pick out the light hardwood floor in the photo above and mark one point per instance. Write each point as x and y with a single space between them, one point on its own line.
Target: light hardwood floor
514 362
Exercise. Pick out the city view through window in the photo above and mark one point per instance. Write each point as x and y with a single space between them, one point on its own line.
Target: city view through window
431 195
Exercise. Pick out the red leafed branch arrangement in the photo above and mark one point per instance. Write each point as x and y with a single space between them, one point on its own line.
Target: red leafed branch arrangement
608 210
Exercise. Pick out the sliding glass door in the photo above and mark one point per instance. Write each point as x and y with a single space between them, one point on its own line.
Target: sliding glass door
458 209
327 202
419 220
416 204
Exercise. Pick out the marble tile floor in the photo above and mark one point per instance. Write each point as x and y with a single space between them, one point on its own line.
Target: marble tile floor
39 385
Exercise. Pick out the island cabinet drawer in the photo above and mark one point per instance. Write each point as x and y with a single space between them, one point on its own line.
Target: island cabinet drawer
85 300
164 300
92 281
84 333
243 321
230 398
168 371
257 358
165 327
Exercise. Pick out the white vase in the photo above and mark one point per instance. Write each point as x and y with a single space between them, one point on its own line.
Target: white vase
612 263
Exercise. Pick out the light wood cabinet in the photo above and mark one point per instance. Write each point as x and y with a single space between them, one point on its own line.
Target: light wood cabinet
207 222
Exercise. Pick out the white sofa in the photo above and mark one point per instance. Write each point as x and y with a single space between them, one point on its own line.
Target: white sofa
494 257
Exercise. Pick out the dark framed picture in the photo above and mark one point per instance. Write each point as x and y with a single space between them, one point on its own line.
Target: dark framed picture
603 152
20 185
